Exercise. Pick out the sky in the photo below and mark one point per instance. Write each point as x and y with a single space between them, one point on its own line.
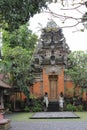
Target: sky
77 40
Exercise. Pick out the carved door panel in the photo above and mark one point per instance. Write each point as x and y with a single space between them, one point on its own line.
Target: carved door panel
53 88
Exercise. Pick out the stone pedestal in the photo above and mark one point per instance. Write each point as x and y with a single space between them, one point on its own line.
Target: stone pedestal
4 123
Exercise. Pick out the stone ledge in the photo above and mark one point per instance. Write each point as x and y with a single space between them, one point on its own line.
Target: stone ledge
4 121
54 115
5 124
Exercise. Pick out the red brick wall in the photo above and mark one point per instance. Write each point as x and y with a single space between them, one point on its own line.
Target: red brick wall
65 87
45 82
60 84
36 89
69 88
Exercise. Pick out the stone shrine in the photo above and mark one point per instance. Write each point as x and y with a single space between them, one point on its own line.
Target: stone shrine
49 62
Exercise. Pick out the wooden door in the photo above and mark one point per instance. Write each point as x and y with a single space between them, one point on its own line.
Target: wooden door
53 87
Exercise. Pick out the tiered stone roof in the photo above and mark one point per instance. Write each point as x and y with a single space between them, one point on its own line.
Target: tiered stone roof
52 49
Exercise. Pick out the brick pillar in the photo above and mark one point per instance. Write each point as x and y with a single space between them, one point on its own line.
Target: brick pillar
45 82
61 82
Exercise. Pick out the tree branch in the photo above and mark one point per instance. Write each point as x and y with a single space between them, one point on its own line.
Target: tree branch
71 8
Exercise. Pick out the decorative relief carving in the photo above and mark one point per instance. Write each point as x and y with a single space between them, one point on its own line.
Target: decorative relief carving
52 50
53 69
48 54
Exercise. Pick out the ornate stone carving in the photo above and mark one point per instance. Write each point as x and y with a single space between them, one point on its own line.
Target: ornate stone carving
51 24
52 50
53 69
48 54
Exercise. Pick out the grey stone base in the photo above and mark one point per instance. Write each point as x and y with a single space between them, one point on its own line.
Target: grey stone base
54 115
4 124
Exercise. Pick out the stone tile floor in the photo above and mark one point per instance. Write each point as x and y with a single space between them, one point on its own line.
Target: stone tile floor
49 124
57 125
53 115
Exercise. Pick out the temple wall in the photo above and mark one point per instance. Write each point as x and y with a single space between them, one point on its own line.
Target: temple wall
36 89
45 82
69 88
37 86
61 82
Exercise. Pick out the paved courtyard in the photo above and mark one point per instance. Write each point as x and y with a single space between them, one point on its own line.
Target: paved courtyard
49 125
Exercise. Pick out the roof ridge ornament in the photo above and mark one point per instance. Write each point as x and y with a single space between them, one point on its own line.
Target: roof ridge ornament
52 24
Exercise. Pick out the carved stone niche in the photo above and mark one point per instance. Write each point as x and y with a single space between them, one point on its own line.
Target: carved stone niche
46 61
60 32
52 60
59 58
36 60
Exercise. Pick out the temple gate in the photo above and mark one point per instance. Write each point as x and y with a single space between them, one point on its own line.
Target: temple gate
49 62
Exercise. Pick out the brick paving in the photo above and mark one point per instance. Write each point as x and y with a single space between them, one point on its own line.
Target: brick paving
49 125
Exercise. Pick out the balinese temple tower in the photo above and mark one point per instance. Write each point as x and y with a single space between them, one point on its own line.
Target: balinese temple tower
49 62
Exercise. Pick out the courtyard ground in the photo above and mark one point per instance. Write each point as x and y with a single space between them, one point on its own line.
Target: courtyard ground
22 121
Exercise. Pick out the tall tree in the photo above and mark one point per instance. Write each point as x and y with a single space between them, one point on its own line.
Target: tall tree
18 48
77 16
22 37
18 12
77 69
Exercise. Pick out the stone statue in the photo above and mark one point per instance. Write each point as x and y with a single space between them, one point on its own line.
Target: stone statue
61 101
46 102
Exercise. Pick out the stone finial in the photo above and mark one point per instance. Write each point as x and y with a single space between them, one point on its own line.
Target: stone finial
52 24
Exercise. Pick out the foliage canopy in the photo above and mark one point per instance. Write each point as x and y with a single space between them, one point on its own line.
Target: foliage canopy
17 12
77 69
18 48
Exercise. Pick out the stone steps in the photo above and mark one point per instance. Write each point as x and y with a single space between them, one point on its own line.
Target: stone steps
53 107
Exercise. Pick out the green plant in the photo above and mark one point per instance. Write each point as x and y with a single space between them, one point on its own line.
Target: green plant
79 108
37 105
70 107
37 109
8 106
26 109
